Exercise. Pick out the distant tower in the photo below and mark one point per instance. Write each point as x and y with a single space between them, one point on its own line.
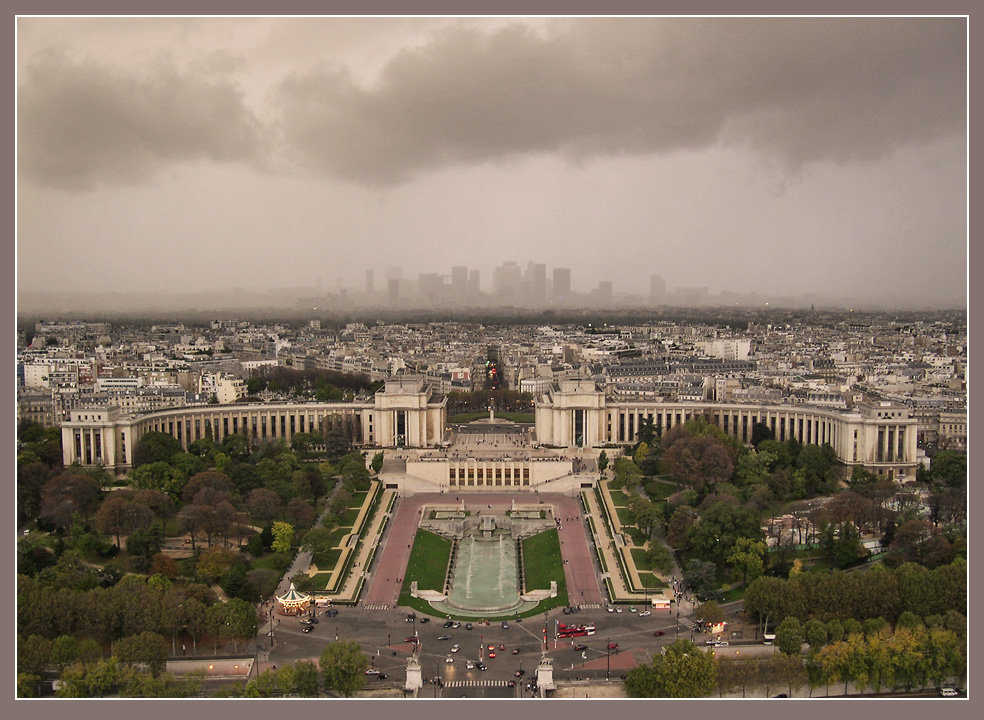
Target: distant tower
536 277
561 283
474 283
393 285
459 282
657 289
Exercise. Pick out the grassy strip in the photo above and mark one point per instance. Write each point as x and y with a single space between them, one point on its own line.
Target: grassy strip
428 561
516 417
359 498
641 559
542 561
349 517
619 498
625 516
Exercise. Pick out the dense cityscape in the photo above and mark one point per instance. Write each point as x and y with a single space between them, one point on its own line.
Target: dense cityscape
239 520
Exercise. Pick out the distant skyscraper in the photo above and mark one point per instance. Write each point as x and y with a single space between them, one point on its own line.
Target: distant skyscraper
561 283
429 287
459 281
506 279
536 278
474 282
370 285
657 289
605 290
393 285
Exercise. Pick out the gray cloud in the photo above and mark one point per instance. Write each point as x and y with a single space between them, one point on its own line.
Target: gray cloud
798 90
82 123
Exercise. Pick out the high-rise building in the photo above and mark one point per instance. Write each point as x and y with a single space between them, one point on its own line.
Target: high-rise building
657 289
561 283
370 285
429 287
506 280
536 279
474 283
393 286
459 281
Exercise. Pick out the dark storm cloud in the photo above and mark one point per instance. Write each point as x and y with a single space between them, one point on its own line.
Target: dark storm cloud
798 90
82 123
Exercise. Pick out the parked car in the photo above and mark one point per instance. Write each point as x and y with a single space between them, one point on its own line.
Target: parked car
516 651
505 625
468 626
411 617
443 637
372 671
456 624
948 692
307 628
645 613
424 620
632 609
721 643
448 624
331 612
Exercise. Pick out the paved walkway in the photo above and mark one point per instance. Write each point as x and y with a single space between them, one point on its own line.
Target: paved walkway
582 585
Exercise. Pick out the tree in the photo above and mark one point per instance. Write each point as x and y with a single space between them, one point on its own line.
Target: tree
263 505
950 468
719 528
760 432
155 447
242 621
683 671
306 678
343 667
111 518
33 654
710 612
789 636
146 647
746 557
300 512
144 543
660 557
602 461
283 536
815 633
699 576
71 492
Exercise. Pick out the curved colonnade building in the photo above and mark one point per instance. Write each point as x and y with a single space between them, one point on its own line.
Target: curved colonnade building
572 418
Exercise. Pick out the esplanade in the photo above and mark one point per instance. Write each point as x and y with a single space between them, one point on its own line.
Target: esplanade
572 421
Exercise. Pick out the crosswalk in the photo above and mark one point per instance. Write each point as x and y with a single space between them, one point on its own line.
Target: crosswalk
376 606
475 683
590 606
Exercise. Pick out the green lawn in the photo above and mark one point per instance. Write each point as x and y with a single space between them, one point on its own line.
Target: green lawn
428 562
659 489
641 559
542 561
272 561
348 517
326 560
336 535
516 417
619 498
358 498
651 581
625 516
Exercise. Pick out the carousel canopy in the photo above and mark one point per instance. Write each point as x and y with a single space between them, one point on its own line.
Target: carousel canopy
293 596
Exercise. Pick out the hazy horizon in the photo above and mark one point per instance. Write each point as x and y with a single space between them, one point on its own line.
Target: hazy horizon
788 157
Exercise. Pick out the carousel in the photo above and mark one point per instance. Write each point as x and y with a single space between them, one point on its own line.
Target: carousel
293 602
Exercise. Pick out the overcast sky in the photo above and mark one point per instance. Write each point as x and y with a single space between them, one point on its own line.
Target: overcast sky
772 155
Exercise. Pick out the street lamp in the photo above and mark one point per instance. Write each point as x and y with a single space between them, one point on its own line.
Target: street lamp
608 659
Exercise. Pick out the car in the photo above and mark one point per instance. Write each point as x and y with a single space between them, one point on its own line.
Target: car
580 648
618 609
468 626
469 664
481 666
314 620
412 639
948 692
610 609
424 620
331 612
659 633
448 624
492 646
710 642
449 659
456 624
411 617
307 628
567 611
721 643
613 646
455 648
492 653
645 613
515 651
511 683
632 609
305 621
519 673
443 637
381 676
372 671
505 625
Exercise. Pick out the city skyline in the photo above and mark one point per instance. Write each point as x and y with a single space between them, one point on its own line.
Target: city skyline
753 156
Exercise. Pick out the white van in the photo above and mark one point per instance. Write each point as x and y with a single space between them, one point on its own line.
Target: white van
948 692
